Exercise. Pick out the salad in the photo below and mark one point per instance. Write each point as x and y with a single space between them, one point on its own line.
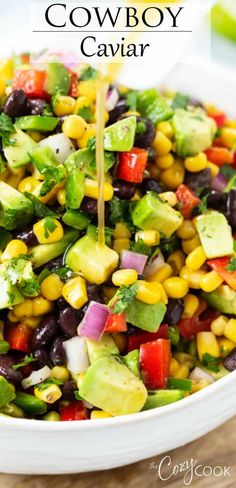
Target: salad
90 331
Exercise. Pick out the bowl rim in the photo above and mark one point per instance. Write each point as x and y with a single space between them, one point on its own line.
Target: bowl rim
44 425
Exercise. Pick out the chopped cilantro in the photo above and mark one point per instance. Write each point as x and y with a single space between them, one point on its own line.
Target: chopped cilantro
234 245
53 176
5 237
140 247
202 207
120 212
48 110
27 360
211 362
62 272
47 383
180 101
11 297
123 297
19 272
132 100
141 127
231 184
169 245
40 210
232 264
91 144
6 128
2 165
49 226
227 171
88 73
86 113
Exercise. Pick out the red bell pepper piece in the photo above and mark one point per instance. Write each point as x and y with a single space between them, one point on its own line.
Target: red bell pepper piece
219 117
187 199
220 265
73 411
73 90
141 337
32 82
18 337
155 363
116 323
132 164
219 155
200 322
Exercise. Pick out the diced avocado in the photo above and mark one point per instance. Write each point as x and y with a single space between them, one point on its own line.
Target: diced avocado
120 136
215 234
110 385
160 398
12 410
30 404
151 213
10 294
78 220
94 261
18 150
74 188
5 237
57 79
15 209
132 362
7 392
194 132
43 156
152 105
43 253
105 347
43 123
223 299
85 159
145 316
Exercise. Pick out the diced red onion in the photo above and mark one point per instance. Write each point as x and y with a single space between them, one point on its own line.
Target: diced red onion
219 183
94 321
76 354
199 374
36 377
155 264
133 260
112 99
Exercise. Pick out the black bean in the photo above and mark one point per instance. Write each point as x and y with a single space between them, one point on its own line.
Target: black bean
94 293
89 205
215 199
6 370
149 184
68 390
151 155
145 132
230 361
15 104
55 263
35 106
57 353
174 311
42 358
123 189
197 180
27 235
45 332
231 208
68 321
120 108
62 303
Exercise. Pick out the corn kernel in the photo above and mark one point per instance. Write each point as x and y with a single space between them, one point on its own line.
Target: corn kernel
193 277
75 292
51 287
176 287
162 274
91 190
150 293
99 414
186 230
207 343
173 176
226 292
74 126
35 135
189 245
60 373
48 231
213 168
120 340
32 322
196 259
153 170
28 184
161 144
218 325
166 129
87 89
51 417
24 309
13 249
228 137
210 281
230 330
120 244
176 260
80 378
186 359
15 177
169 197
198 385
7 69
80 103
191 304
137 196
182 372
2 87
231 124
12 317
164 162
49 395
64 105
61 197
121 231
41 306
196 163
149 237
226 346
174 366
124 277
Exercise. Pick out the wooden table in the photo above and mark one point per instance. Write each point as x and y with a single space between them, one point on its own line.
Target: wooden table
215 449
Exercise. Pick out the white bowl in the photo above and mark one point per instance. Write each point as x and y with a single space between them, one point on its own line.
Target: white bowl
39 447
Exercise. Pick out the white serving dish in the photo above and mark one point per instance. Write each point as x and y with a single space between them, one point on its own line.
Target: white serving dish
37 447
